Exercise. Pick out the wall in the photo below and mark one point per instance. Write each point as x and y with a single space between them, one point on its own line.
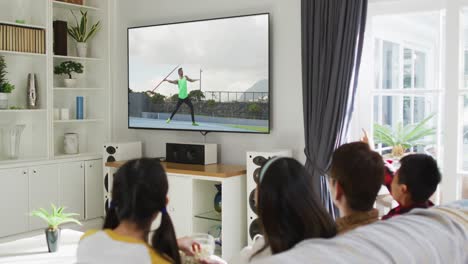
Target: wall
287 118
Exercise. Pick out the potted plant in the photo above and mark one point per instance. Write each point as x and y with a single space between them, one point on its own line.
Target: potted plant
81 34
68 67
54 220
403 137
5 87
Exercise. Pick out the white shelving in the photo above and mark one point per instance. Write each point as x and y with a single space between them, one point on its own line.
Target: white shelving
23 111
42 139
79 156
6 52
58 4
21 25
76 58
68 89
78 121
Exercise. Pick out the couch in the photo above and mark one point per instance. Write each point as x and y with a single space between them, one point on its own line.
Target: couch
436 235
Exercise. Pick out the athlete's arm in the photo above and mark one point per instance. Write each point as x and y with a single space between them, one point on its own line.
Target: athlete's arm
191 80
171 81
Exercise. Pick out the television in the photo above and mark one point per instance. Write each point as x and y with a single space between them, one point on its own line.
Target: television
208 75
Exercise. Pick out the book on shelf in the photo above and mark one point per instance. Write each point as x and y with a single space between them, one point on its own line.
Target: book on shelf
22 39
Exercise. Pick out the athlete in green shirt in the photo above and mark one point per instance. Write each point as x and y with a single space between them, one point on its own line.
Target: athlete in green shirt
183 94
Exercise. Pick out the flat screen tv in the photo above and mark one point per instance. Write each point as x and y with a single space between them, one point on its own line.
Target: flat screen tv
208 75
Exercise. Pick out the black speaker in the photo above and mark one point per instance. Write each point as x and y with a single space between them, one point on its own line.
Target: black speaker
201 154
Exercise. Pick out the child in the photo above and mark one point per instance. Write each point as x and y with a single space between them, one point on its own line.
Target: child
414 182
356 176
138 196
288 210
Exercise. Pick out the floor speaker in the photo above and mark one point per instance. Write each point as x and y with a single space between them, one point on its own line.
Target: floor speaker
255 161
117 152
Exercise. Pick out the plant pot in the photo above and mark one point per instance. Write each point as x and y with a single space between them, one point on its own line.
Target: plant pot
53 239
3 101
82 49
70 83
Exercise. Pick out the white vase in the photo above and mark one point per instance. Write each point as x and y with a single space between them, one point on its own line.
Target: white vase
70 143
82 49
3 101
70 83
12 139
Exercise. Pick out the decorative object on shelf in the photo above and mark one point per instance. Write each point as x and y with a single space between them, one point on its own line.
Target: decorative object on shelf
70 144
22 39
81 33
5 87
217 199
79 107
404 137
54 219
60 37
20 11
64 114
67 68
32 91
76 2
215 231
12 139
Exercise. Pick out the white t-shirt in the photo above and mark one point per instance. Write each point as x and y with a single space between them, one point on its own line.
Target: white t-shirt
106 246
246 253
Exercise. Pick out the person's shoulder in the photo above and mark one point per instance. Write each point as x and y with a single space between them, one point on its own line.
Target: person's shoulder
89 233
157 258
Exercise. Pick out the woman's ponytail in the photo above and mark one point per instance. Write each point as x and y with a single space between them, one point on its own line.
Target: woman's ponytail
111 221
164 239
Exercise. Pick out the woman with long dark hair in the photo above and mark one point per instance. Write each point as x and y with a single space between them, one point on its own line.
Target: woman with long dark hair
288 210
139 195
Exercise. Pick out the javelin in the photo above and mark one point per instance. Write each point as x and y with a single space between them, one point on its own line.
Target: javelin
165 78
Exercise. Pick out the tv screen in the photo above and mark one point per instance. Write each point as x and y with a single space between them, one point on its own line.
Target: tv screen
208 75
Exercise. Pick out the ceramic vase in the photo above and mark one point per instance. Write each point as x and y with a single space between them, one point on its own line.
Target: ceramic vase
82 49
32 91
70 144
3 101
53 239
70 83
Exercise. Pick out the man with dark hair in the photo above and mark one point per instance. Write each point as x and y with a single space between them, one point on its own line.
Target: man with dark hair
414 183
183 95
356 176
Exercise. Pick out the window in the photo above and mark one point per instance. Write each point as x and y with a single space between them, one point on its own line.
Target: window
402 97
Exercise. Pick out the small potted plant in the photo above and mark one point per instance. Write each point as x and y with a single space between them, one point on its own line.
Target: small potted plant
403 137
5 87
82 34
54 219
67 68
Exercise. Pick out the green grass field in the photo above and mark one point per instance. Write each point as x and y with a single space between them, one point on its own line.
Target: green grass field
252 128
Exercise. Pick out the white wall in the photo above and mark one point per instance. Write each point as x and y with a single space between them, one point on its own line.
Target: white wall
286 85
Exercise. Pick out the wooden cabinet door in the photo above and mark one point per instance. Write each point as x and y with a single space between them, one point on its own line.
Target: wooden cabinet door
14 201
94 189
71 187
43 191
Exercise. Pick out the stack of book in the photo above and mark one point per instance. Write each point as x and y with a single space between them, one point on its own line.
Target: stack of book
22 39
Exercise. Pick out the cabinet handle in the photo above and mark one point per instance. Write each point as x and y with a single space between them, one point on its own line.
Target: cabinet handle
91 165
25 172
34 171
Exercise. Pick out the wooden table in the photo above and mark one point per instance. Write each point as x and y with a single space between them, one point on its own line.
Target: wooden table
212 170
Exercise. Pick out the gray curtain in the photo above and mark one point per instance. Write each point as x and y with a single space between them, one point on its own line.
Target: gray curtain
332 40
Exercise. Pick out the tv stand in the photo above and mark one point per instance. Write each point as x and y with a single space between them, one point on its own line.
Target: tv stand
191 201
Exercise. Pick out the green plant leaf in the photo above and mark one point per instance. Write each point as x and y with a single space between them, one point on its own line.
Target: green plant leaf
383 135
56 217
